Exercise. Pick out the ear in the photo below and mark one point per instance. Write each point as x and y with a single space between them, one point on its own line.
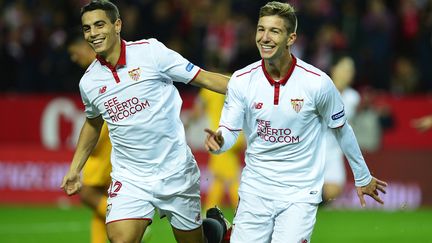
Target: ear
118 26
291 39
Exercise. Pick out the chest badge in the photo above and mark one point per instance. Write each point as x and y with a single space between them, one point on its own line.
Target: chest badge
135 74
103 89
257 105
297 104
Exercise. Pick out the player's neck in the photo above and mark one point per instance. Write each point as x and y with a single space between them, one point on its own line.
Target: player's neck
113 54
278 68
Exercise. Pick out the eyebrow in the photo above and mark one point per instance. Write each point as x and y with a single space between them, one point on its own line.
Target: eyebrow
95 23
271 28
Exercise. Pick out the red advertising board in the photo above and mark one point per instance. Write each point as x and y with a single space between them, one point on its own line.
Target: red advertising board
40 132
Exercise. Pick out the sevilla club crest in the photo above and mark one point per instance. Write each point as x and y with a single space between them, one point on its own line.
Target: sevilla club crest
297 104
135 74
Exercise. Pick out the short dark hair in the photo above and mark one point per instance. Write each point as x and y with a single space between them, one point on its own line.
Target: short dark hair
110 9
74 35
283 10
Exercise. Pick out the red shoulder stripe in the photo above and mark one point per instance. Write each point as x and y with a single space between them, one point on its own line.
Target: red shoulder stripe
137 43
248 71
309 71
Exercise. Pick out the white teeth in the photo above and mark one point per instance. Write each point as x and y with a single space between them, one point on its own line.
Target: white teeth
97 41
267 47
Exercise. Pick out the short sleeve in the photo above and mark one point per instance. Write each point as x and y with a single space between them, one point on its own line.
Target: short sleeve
330 105
90 110
172 64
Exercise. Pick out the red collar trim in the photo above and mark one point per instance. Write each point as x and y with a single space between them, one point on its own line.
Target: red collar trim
121 61
285 78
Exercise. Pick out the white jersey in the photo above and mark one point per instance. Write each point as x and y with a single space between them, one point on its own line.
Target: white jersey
334 171
283 124
141 106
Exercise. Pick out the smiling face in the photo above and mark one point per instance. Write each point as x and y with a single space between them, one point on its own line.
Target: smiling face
100 32
272 38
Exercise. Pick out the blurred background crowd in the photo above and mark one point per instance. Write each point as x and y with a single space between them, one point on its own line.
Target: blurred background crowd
390 40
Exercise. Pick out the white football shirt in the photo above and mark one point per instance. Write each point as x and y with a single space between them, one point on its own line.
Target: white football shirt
141 106
284 124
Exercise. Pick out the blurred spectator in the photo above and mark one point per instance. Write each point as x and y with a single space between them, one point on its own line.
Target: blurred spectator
329 41
220 39
349 22
405 77
32 37
371 120
246 48
424 46
366 123
408 22
377 43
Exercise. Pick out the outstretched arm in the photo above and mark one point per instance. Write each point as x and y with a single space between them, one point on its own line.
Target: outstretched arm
365 183
212 81
87 141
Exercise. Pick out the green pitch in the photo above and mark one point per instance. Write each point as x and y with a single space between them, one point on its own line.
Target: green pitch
53 225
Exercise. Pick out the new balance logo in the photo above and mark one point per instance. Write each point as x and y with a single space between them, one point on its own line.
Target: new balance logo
102 90
258 105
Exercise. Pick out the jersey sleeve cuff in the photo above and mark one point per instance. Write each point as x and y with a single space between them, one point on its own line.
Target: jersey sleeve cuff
363 181
199 70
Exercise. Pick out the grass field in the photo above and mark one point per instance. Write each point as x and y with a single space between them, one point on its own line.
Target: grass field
53 225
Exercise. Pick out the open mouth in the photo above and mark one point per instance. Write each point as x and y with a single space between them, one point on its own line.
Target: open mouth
267 48
97 43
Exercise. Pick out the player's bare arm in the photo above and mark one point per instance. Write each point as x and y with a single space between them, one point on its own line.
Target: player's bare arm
213 81
214 140
87 141
372 189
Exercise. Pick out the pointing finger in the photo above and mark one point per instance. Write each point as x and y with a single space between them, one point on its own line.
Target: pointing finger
210 132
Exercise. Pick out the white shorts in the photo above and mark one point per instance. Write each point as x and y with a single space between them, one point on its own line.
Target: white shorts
262 220
334 169
176 197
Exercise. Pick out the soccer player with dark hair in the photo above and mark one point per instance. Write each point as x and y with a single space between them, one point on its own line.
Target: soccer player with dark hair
130 86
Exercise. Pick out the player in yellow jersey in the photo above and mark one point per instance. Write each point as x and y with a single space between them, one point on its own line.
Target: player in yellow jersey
225 167
96 172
